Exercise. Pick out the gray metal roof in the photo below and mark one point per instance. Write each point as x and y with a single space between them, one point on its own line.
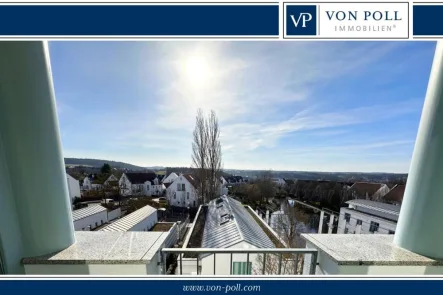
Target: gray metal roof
88 211
129 221
378 206
237 226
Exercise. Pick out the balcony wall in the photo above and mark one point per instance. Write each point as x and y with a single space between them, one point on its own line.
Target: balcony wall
367 255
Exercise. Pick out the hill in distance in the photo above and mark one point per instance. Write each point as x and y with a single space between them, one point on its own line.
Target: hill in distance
99 163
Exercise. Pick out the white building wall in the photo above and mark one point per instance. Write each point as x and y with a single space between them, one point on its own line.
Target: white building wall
125 185
186 198
352 228
114 214
150 268
146 224
326 266
73 187
170 178
92 220
86 184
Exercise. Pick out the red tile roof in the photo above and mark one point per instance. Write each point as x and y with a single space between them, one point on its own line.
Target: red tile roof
395 195
363 188
192 179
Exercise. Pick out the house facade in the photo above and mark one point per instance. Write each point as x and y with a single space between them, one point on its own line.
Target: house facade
90 183
73 187
170 178
279 182
140 184
110 180
182 192
368 217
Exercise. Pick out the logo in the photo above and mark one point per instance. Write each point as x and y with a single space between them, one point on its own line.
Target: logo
301 20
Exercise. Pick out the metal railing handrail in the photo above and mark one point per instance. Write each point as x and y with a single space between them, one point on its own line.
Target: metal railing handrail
240 251
278 251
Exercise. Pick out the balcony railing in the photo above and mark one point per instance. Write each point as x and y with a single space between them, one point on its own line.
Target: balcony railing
281 254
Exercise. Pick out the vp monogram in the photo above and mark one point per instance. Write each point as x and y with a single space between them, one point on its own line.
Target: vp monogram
303 17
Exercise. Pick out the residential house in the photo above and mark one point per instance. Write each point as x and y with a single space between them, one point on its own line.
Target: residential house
170 178
142 219
368 217
73 187
235 180
183 192
279 182
90 217
91 182
140 183
369 190
110 180
223 186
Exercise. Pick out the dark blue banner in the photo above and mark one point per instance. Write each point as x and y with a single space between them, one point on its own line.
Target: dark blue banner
271 287
139 20
427 20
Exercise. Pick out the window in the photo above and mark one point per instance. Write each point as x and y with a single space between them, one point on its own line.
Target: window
175 197
187 195
374 226
391 232
242 268
183 187
96 224
346 230
347 217
359 222
102 222
178 186
147 187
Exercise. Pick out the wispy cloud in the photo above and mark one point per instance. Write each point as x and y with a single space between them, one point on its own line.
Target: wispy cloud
138 100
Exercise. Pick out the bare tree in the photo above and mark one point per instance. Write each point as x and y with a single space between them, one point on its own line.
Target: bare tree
265 185
214 154
288 223
206 154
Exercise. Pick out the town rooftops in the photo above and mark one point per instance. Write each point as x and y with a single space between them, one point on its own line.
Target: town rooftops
228 223
376 206
140 177
395 195
130 220
363 188
88 211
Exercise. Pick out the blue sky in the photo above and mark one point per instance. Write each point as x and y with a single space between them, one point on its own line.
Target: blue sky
316 106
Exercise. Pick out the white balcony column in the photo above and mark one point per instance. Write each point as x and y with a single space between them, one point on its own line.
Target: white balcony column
320 224
32 151
331 223
419 225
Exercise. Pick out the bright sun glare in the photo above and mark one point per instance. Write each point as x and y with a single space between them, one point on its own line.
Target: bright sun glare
197 70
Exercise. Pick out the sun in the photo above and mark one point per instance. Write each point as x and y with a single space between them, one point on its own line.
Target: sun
197 70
